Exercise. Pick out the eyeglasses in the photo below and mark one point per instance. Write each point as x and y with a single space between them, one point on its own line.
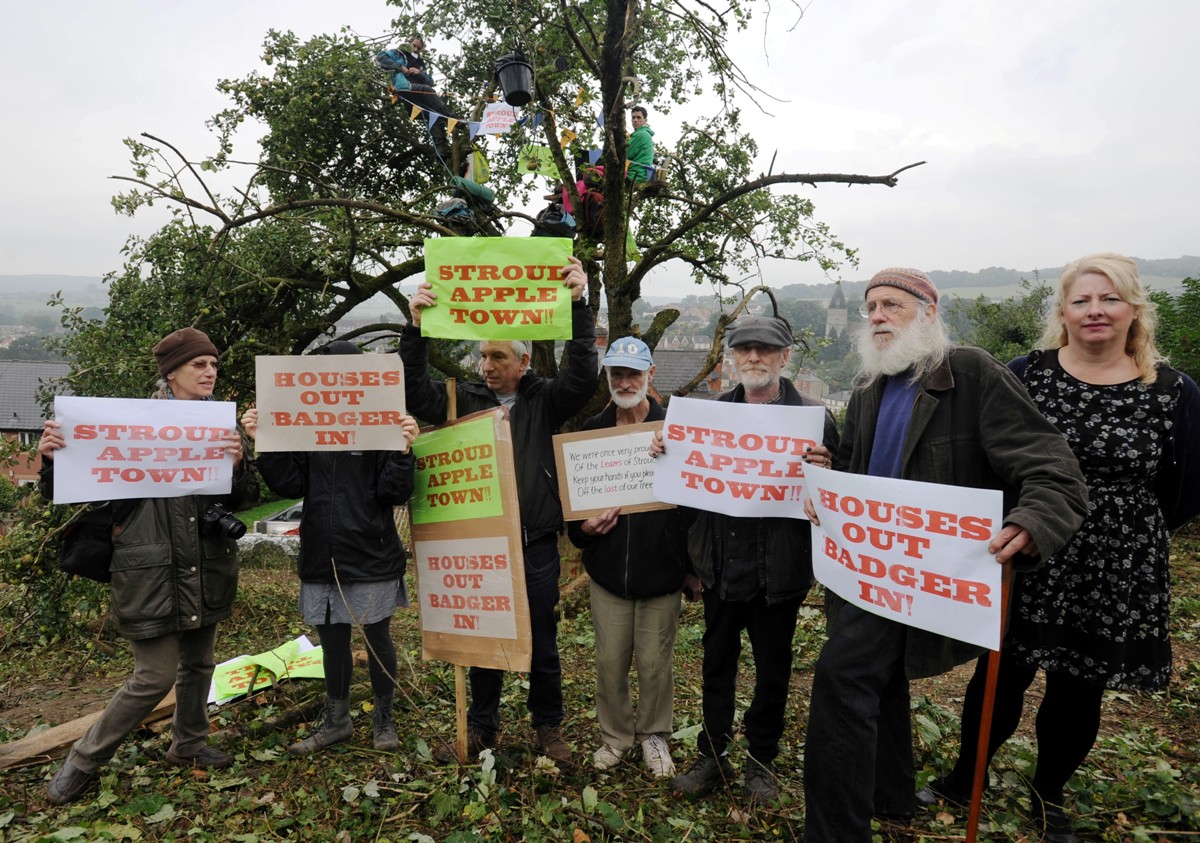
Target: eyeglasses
890 307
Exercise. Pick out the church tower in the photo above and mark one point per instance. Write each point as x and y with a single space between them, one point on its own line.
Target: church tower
835 314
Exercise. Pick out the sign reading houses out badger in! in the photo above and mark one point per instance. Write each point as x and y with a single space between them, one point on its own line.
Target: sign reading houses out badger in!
498 288
467 545
737 459
118 448
910 551
336 402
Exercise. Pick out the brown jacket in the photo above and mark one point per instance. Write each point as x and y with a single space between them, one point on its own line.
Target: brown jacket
973 424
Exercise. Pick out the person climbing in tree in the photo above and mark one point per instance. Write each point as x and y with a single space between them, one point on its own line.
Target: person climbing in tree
406 89
415 71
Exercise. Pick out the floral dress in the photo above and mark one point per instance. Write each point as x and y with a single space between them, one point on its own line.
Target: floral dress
1099 609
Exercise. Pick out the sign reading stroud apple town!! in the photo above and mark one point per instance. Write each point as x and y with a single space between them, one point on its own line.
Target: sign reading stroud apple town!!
120 448
466 530
497 288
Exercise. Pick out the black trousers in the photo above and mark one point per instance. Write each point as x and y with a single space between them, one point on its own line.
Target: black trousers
858 759
771 629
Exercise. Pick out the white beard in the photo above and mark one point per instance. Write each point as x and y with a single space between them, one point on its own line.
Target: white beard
628 402
920 345
757 379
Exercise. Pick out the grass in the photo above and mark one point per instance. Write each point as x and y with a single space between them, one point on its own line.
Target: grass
1140 783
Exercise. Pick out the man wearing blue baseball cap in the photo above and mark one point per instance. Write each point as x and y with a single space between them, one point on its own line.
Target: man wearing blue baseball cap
637 565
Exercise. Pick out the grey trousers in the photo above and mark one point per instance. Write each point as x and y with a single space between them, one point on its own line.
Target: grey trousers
183 659
644 627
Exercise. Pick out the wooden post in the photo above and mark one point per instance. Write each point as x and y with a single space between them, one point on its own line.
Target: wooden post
460 672
985 719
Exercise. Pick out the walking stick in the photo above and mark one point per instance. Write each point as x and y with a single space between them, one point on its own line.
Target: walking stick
989 704
460 673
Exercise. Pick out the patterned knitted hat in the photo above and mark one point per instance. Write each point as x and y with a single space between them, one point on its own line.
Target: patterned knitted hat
911 280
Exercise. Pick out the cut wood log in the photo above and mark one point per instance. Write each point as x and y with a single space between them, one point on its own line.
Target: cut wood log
49 744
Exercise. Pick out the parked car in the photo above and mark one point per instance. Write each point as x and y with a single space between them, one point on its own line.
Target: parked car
285 523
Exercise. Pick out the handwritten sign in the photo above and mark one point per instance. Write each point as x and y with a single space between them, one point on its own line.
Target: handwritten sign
336 402
913 552
498 288
467 545
295 659
738 459
457 477
498 117
599 469
119 448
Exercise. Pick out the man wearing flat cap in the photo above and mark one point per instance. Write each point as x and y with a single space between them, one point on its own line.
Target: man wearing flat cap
755 573
636 564
923 409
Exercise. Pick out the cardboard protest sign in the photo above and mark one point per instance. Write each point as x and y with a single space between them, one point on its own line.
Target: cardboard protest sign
295 659
335 402
118 448
913 552
467 545
457 473
498 117
736 458
599 469
498 288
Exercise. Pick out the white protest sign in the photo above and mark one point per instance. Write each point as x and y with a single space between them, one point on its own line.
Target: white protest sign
120 448
497 118
612 466
737 459
466 587
330 402
913 552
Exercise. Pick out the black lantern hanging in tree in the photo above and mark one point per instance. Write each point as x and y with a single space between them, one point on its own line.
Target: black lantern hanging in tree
515 75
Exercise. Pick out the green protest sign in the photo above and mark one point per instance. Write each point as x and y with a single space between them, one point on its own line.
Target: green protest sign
498 288
457 477
246 674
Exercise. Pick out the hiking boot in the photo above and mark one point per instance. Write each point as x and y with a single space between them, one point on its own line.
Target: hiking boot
386 739
69 783
551 744
605 758
446 752
940 789
656 755
1051 821
208 758
335 728
705 776
760 785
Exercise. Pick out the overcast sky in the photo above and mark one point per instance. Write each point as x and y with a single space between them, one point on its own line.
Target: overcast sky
1051 130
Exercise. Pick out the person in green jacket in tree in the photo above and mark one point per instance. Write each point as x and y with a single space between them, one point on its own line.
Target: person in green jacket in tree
639 154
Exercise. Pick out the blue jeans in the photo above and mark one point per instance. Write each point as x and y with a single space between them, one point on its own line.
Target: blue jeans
545 700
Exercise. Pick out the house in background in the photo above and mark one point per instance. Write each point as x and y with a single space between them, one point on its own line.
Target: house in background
20 414
675 368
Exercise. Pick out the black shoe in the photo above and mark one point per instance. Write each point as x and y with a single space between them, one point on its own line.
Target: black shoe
939 790
446 751
705 776
761 785
1051 821
69 783
208 758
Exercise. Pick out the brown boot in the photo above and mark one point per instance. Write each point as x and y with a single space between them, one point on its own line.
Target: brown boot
551 744
445 752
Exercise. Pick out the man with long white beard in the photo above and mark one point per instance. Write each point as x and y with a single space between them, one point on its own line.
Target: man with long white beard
636 564
755 574
923 409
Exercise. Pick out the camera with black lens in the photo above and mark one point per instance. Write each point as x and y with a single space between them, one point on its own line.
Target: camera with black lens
219 521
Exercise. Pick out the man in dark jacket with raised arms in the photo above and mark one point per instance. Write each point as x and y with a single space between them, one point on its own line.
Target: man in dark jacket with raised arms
536 407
